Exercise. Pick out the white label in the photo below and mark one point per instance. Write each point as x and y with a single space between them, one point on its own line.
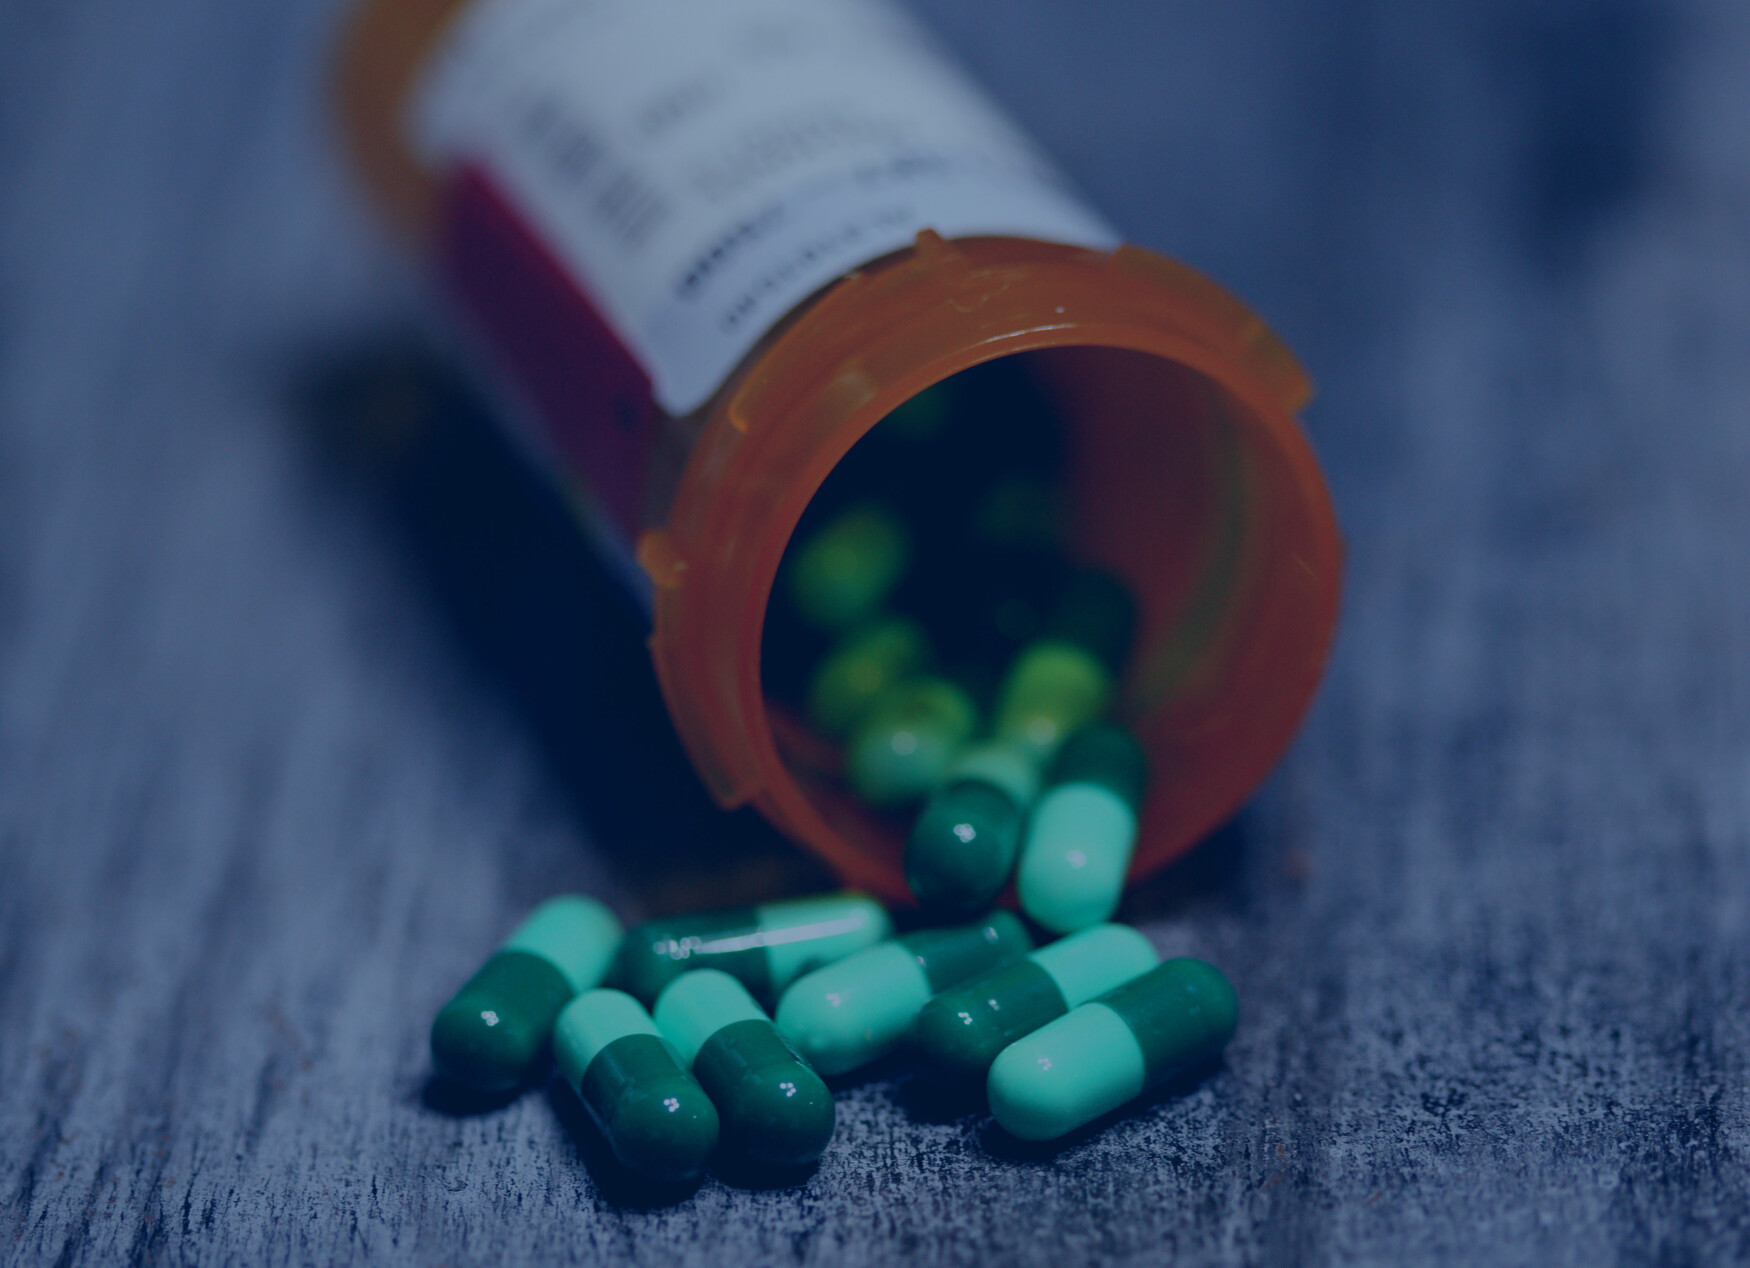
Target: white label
702 166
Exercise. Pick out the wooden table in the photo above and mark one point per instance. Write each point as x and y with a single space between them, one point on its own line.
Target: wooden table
292 728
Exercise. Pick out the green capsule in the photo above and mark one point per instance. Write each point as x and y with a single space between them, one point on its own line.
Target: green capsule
961 1030
921 418
491 1035
1111 1049
851 681
1064 679
773 1106
903 747
844 572
852 1012
1082 830
1053 688
654 1115
766 947
963 844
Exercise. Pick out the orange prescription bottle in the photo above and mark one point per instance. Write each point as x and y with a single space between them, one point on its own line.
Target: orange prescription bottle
714 242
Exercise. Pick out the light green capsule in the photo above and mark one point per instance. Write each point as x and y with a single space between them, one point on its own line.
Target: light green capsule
492 1033
654 1115
1053 688
772 1105
905 745
852 1012
851 681
845 571
1082 830
1111 1049
765 947
962 1030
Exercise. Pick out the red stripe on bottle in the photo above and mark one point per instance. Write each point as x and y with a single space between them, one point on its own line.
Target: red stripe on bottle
594 398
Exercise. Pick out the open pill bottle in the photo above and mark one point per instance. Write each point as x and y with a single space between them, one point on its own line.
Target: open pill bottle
712 243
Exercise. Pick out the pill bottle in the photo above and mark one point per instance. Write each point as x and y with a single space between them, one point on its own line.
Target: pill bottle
713 242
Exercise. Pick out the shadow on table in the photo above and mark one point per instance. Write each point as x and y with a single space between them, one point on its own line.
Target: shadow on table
1001 1146
452 1100
543 617
613 1181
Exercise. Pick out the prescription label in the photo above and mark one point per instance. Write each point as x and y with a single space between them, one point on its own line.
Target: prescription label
697 168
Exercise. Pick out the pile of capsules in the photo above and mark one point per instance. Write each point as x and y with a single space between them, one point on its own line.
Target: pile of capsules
959 668
928 624
678 1053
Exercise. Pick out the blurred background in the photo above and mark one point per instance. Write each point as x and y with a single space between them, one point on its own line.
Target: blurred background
297 715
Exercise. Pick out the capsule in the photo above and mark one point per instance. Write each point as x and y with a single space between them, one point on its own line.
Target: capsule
490 1036
851 681
904 746
844 572
1082 829
1111 1049
852 1012
1064 679
772 1105
963 844
961 1030
653 1114
765 947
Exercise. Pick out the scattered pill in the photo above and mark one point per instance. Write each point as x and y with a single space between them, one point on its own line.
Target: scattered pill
772 1105
850 682
653 1114
901 750
1111 1049
492 1033
765 947
962 1030
844 572
850 1013
964 843
1082 828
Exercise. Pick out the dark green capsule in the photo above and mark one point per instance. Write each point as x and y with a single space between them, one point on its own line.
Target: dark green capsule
964 842
773 1106
962 1030
654 1115
493 1033
765 947
850 1013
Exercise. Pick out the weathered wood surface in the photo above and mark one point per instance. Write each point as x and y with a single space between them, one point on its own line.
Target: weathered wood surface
283 750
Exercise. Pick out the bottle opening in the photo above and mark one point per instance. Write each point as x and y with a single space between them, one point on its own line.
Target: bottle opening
939 544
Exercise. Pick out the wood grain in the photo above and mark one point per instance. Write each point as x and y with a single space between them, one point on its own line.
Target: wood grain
290 732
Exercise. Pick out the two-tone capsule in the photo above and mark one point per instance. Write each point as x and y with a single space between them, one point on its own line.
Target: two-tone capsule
1064 679
654 1115
766 947
962 1030
844 572
1111 1049
852 1012
772 1105
1082 829
493 1032
964 842
903 747
850 682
